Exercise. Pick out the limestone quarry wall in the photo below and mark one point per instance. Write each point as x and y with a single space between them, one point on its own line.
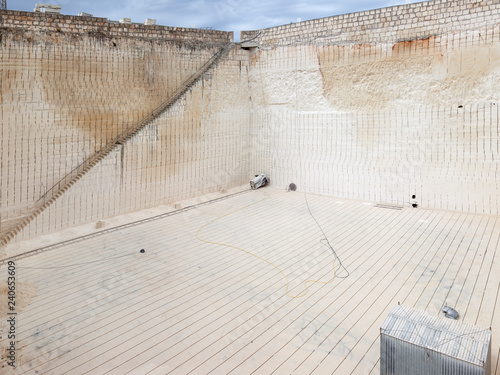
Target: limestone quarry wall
382 105
72 84
391 24
199 146
377 105
78 25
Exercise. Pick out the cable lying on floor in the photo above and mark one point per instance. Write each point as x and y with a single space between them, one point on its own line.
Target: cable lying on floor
306 283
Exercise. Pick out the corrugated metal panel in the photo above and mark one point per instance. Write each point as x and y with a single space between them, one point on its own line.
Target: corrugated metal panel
415 342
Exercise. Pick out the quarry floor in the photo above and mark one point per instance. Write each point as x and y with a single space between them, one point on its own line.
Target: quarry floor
243 284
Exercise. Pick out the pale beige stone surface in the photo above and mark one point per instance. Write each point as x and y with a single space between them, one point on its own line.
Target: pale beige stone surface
383 121
378 105
72 233
186 306
64 98
100 224
198 146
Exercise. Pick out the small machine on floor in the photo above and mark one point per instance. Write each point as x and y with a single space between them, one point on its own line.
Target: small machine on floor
260 180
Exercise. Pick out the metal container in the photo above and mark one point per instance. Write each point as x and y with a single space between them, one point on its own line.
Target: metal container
414 342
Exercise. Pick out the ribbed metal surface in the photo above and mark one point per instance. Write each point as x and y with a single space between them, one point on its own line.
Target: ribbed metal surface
415 342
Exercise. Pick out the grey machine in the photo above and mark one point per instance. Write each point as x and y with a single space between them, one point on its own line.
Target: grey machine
260 180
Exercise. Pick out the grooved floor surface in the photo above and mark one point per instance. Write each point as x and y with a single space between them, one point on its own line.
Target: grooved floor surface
247 304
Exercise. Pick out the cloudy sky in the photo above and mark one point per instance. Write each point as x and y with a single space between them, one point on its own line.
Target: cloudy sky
229 15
